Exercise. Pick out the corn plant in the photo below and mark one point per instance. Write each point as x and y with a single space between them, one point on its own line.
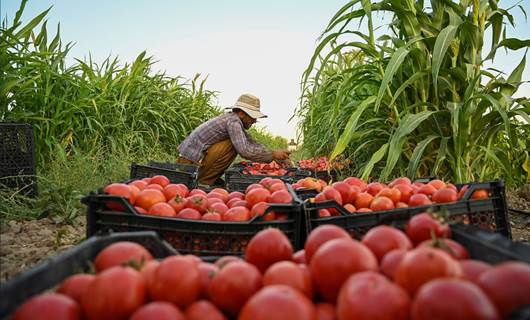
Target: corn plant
88 106
420 101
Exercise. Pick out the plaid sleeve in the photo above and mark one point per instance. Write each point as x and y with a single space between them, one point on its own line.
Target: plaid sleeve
246 146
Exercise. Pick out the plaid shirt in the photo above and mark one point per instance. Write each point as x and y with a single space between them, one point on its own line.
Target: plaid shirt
220 128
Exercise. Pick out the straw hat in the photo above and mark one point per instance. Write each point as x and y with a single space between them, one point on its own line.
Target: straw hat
250 105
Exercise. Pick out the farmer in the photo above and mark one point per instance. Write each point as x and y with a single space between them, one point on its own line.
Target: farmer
216 143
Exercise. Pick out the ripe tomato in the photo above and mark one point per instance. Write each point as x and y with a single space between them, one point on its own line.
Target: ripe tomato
455 249
421 265
381 203
122 190
197 191
277 186
198 202
259 209
347 192
148 271
237 213
427 189
419 199
320 235
74 286
373 188
267 247
445 195
257 195
140 184
356 182
172 190
364 199
420 226
281 196
223 261
189 213
212 216
48 306
155 186
162 209
289 274
119 253
452 299
215 195
325 311
148 197
369 295
382 239
507 285
405 192
203 310
437 183
299 257
207 272
400 181
177 280
233 285
160 179
473 269
253 186
390 262
236 195
391 193
159 310
335 261
278 302
115 294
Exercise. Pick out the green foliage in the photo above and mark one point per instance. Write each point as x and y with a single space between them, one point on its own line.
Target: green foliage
267 139
417 101
86 106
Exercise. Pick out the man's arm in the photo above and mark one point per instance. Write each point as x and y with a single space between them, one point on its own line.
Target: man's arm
247 147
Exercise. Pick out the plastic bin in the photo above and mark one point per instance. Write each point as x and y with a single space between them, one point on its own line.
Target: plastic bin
203 238
176 173
17 157
489 214
75 260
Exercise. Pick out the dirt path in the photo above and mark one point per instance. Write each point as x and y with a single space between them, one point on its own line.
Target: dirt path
25 243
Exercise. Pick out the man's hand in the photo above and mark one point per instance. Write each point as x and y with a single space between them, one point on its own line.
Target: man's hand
280 154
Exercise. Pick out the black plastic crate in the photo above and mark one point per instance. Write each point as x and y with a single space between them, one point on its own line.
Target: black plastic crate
489 246
236 180
75 260
489 214
210 239
17 157
176 173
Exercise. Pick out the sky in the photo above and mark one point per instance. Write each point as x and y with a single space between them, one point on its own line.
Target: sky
257 47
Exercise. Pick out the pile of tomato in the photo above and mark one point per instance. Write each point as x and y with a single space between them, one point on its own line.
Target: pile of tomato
156 196
322 164
270 169
357 196
388 274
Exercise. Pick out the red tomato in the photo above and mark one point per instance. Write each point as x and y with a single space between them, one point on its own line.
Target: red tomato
233 285
452 299
198 202
455 249
237 213
212 216
405 191
116 293
160 179
122 190
139 184
148 271
172 190
444 195
347 192
257 195
278 302
162 209
420 226
203 310
207 272
399 181
236 195
267 247
148 197
369 295
259 209
119 253
325 311
189 213
74 286
290 274
373 188
220 208
393 194
299 257
197 191
223 261
177 203
281 196
508 285
48 306
419 199
158 310
422 265
335 261
320 235
382 239
381 203
253 186
473 269
177 280
390 262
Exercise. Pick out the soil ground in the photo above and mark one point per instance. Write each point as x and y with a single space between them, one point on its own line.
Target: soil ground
23 244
